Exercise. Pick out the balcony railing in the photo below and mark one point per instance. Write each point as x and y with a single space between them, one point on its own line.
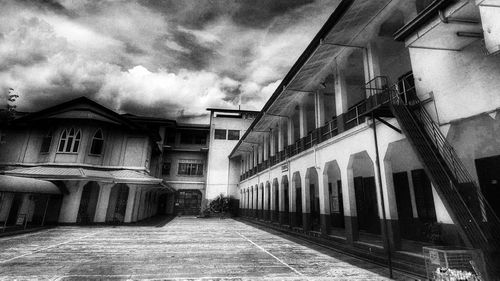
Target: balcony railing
379 94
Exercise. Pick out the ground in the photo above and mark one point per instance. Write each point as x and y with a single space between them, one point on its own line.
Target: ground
184 248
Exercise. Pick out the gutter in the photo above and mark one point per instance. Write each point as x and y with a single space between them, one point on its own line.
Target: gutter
311 48
422 18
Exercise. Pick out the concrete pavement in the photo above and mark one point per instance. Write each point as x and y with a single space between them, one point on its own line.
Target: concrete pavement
185 249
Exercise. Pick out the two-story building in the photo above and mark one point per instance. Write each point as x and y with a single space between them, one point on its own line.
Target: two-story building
383 136
78 162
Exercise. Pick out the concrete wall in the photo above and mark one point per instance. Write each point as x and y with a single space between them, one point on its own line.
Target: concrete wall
463 83
218 180
121 147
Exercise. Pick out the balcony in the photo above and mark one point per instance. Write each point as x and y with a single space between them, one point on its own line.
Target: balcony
380 95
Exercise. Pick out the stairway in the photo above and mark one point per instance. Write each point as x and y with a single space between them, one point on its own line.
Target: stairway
457 189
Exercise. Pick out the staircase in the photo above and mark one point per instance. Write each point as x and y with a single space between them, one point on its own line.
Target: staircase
469 210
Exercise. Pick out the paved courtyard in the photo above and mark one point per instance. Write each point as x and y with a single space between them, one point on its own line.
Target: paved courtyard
185 248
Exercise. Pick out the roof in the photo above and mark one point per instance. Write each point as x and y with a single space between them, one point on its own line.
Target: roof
94 111
341 30
27 185
227 110
75 173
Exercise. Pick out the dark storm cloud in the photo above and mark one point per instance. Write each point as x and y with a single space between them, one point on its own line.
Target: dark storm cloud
163 58
198 13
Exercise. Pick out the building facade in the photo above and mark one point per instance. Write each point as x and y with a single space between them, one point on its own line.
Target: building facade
383 135
78 162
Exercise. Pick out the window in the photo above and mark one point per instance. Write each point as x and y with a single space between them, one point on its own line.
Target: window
97 143
70 141
220 134
46 142
233 135
190 168
165 168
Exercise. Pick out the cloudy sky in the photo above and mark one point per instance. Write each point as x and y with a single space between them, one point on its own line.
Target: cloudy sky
163 58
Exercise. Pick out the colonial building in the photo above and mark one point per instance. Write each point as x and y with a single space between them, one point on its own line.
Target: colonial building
383 136
78 162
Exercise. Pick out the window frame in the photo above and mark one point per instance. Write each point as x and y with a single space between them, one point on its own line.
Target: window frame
233 131
220 130
72 139
196 165
94 138
48 135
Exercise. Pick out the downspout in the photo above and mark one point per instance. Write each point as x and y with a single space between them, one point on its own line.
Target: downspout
384 219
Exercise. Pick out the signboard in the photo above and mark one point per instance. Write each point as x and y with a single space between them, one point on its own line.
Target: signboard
284 168
20 219
434 257
334 204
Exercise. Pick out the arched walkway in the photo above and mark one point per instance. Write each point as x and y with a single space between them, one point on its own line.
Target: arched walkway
117 203
276 200
297 192
286 200
88 203
365 193
335 206
312 192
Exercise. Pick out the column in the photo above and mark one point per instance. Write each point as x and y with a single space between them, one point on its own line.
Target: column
282 203
281 135
324 202
391 210
319 105
265 195
349 200
302 120
266 147
71 202
102 202
272 141
130 204
291 130
340 98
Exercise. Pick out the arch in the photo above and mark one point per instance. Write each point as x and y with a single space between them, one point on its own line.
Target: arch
297 199
312 196
365 192
117 203
276 200
88 203
285 197
333 189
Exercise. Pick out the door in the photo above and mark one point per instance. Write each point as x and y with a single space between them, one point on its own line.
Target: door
366 204
404 206
488 172
336 204
188 202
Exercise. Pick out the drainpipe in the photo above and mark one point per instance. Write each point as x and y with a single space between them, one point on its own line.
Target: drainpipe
384 219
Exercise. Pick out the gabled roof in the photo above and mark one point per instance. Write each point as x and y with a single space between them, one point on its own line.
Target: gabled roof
80 108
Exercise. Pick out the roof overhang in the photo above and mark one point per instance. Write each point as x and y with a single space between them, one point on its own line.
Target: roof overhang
74 173
446 25
340 32
27 185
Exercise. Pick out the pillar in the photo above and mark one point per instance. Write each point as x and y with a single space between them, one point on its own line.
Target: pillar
282 203
266 147
324 202
340 98
349 200
391 210
319 105
102 202
265 195
6 202
302 120
281 135
71 202
272 140
290 130
130 204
